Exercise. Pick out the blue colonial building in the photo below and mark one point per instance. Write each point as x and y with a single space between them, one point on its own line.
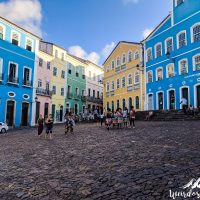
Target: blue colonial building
18 50
172 58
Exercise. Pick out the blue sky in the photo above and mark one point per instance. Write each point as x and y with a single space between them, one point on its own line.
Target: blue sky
88 28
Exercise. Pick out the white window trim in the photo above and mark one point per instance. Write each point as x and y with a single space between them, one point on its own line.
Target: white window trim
13 31
112 88
179 65
56 71
27 38
191 31
4 31
166 44
148 76
168 103
130 51
107 86
193 61
137 52
124 81
155 52
16 68
114 64
150 48
107 70
135 78
55 89
30 70
61 91
39 80
167 75
177 38
157 73
157 103
131 78
119 60
117 84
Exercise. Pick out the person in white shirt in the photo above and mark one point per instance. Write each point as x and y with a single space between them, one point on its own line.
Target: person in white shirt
125 117
184 104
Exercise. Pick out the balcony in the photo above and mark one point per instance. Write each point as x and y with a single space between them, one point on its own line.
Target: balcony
27 83
83 98
117 69
77 97
130 88
83 76
1 78
43 92
112 93
137 86
107 94
95 100
123 67
69 95
13 80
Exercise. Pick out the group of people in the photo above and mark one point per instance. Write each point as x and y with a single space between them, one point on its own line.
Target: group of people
48 123
119 118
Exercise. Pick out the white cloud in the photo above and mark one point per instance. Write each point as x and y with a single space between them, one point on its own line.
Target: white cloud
146 32
25 13
130 1
107 49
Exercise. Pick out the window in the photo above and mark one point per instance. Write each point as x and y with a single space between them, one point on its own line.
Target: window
118 62
113 106
89 92
149 55
181 39
56 53
137 78
130 79
55 71
77 72
169 45
179 2
113 85
93 93
137 102
136 55
48 65
47 86
98 95
40 62
94 77
62 91
107 87
63 74
170 70
39 83
183 67
124 58
15 38
158 49
77 91
123 82
196 33
118 84
159 74
118 104
107 68
29 44
2 35
196 62
69 68
54 89
123 103
150 77
130 56
12 76
113 64
27 77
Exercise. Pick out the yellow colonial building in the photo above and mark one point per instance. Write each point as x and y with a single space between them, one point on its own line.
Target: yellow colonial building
124 77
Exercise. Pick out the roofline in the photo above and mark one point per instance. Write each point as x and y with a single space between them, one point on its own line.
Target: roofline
157 27
77 58
133 43
54 45
20 27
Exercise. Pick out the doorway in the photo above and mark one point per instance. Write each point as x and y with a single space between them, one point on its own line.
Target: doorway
150 102
46 109
53 109
185 94
61 113
24 115
198 96
172 100
160 101
10 110
37 111
76 109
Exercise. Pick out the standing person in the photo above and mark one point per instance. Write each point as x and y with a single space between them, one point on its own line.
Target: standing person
132 117
125 117
49 127
102 118
184 103
119 117
40 123
69 123
108 119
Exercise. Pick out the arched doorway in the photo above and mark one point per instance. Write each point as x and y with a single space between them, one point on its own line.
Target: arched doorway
76 109
185 94
198 95
10 112
130 102
160 101
150 101
171 99
61 113
24 114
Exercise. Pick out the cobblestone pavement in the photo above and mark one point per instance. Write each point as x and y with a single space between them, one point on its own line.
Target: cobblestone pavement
140 164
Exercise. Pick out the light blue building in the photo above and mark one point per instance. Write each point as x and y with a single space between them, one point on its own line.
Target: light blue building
18 50
172 58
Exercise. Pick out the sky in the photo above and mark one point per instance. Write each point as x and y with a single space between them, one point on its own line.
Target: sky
87 28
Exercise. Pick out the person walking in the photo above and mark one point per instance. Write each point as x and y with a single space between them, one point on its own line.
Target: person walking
108 119
132 117
49 127
125 117
40 123
102 118
184 104
119 117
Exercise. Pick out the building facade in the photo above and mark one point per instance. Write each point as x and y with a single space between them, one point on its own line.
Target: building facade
44 80
18 49
76 85
172 58
94 87
124 77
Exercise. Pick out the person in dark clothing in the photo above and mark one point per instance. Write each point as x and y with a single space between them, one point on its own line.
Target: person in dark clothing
69 123
49 127
40 123
132 117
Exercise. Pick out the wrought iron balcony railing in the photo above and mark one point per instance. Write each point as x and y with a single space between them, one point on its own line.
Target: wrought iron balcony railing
43 92
27 83
13 80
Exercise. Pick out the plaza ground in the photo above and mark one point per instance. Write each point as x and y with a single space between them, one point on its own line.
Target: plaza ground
140 164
